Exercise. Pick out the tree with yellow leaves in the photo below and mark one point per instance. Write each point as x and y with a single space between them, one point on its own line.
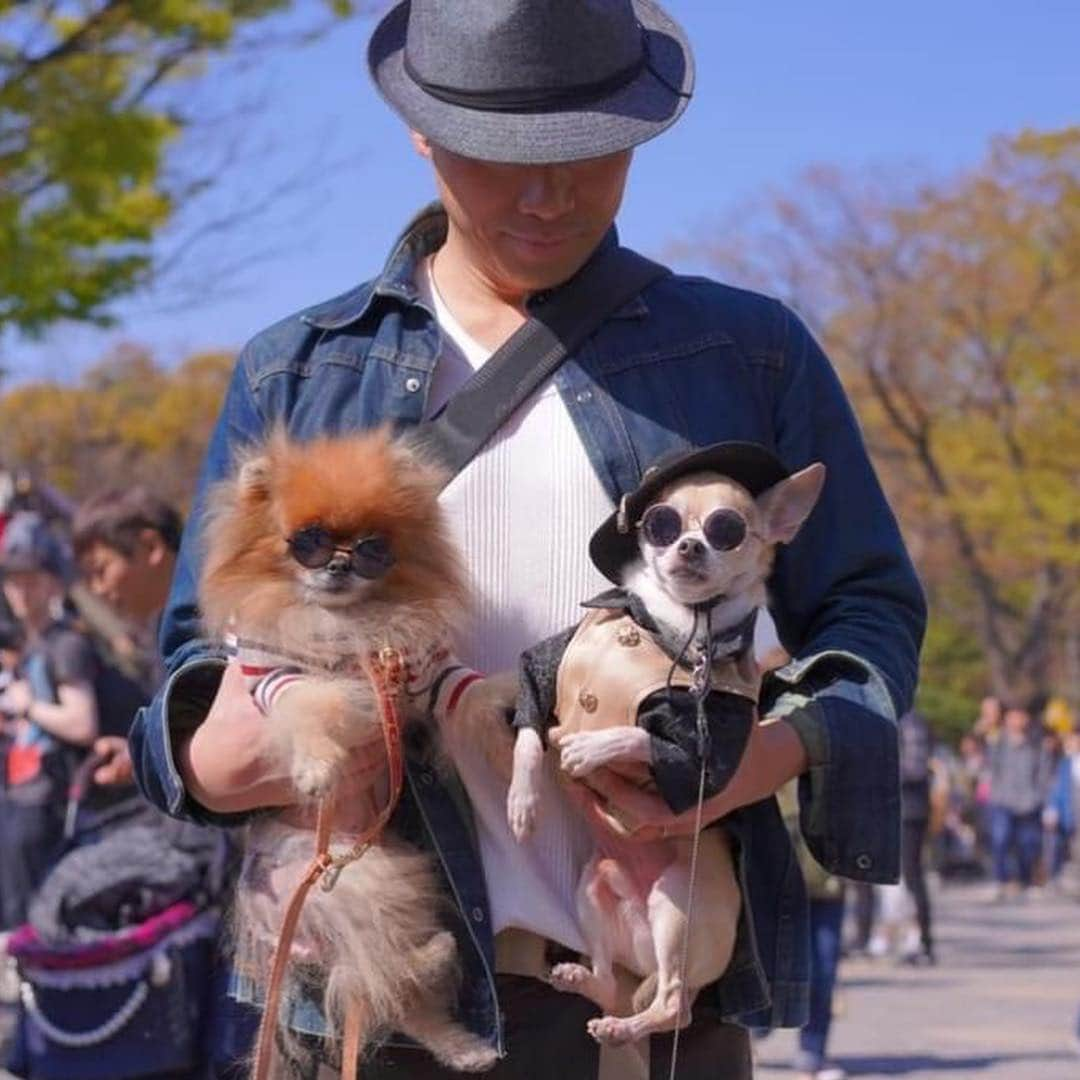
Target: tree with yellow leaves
952 311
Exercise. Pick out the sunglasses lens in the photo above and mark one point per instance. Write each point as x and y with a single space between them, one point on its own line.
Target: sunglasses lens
372 557
661 526
312 548
725 529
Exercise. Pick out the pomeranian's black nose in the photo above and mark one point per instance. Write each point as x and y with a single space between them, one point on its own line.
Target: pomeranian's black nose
691 548
339 566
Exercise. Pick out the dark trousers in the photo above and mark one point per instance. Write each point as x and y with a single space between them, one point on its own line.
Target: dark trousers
1019 834
826 920
546 1040
913 841
30 842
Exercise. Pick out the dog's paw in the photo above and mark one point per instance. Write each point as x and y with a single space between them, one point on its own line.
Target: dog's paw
570 978
522 805
583 752
609 1030
479 1058
314 778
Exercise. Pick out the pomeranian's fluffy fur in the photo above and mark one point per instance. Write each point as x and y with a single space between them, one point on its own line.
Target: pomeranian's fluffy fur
376 937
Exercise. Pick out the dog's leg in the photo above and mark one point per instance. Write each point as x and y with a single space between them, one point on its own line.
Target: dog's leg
604 890
431 1025
523 798
317 722
670 1006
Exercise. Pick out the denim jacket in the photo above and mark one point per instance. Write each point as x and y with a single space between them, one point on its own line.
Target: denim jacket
687 363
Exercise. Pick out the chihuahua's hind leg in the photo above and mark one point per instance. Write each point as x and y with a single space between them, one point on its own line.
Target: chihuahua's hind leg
670 1005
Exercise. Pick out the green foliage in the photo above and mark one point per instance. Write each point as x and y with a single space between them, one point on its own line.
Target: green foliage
953 679
89 108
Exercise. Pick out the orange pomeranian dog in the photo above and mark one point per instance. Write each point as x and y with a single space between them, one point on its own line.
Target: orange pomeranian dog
318 554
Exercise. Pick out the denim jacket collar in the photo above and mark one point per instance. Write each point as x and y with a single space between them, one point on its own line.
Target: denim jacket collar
424 235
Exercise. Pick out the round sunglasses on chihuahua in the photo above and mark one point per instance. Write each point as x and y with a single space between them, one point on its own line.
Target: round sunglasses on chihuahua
314 548
725 529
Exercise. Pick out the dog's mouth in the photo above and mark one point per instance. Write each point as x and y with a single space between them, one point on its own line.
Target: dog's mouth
684 572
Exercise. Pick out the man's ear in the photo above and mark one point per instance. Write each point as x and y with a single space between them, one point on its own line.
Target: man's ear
154 546
420 143
785 506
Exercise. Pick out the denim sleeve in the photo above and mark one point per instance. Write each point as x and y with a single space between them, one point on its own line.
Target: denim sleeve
849 797
849 608
194 663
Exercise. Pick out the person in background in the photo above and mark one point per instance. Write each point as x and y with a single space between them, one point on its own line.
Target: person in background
916 742
1020 775
125 543
987 724
826 895
50 705
1059 813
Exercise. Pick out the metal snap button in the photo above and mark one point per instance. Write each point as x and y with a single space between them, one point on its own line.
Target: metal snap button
412 384
584 396
588 701
478 914
864 862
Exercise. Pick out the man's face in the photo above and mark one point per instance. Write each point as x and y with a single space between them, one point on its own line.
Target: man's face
132 585
528 227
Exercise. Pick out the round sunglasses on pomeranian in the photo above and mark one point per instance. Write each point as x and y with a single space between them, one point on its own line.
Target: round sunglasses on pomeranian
724 529
314 547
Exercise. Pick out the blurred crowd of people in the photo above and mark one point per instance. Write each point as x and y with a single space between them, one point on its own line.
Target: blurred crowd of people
81 594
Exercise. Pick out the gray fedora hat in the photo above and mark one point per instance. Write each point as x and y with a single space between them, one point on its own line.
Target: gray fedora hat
533 81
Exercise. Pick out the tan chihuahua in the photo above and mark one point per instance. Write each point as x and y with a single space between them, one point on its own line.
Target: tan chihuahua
692 556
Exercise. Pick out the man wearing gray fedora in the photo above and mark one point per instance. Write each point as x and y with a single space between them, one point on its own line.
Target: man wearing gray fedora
528 111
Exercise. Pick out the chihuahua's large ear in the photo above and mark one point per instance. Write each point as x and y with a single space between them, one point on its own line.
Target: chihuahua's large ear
785 506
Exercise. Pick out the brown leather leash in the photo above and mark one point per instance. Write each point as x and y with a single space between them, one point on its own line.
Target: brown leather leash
386 672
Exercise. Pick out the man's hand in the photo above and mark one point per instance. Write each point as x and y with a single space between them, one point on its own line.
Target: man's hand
229 764
774 754
115 768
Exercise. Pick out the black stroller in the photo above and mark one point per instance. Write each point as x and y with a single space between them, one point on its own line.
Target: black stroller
116 959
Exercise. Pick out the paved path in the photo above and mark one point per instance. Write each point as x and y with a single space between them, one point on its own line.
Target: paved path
1000 1005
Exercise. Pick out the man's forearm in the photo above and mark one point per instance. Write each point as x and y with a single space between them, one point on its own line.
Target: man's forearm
774 755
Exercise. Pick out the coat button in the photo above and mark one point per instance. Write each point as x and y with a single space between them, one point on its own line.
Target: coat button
584 396
478 914
864 862
412 384
628 636
588 701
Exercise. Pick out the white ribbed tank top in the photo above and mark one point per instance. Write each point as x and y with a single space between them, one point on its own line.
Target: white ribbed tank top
522 513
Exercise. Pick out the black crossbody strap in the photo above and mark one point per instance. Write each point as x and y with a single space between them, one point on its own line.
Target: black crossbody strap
532 353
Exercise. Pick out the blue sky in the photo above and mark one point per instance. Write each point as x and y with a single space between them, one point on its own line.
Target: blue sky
780 86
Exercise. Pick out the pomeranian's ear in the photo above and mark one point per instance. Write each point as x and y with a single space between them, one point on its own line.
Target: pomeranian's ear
785 506
253 479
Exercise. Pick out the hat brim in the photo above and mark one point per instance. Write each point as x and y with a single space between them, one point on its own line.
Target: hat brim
634 114
748 464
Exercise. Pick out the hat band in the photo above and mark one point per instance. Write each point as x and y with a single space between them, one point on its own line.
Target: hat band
531 99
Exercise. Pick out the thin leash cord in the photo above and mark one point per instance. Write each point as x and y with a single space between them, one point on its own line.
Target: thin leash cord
702 733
